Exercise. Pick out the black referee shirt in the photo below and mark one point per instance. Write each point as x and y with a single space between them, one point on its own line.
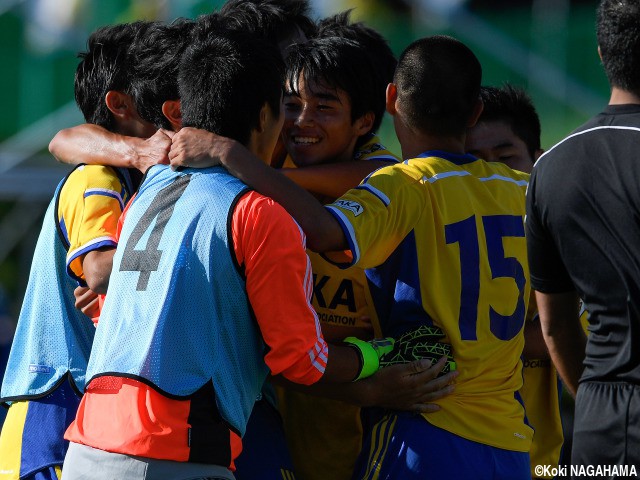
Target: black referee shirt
583 234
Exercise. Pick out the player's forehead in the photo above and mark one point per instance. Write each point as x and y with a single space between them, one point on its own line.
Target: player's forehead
489 135
316 89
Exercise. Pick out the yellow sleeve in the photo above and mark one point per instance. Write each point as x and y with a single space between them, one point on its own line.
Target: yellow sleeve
90 204
378 214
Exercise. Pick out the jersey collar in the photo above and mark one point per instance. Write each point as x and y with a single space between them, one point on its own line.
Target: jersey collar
458 159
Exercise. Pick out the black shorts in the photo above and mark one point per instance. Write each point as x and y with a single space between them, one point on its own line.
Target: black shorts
607 425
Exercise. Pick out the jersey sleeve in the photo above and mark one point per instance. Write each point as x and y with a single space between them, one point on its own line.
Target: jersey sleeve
270 247
373 220
548 273
90 205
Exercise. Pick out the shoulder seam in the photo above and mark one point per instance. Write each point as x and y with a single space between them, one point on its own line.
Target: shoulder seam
583 132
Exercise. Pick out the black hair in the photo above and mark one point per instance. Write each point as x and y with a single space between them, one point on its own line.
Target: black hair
373 43
337 63
277 21
225 80
156 59
105 66
514 107
438 80
618 32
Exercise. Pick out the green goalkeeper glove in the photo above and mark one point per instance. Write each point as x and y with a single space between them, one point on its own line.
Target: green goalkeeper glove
417 344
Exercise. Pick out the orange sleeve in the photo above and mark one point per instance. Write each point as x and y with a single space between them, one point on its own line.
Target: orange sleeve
270 247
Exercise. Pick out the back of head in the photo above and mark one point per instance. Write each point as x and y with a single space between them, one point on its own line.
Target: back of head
338 63
225 80
105 66
277 21
618 32
373 43
156 59
438 80
513 107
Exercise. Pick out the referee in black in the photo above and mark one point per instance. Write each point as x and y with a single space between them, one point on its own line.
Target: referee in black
583 230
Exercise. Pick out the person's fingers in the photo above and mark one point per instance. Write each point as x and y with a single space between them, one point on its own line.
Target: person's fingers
92 308
425 408
82 295
168 133
426 369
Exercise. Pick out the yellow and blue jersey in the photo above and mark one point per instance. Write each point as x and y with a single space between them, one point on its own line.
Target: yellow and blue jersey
49 355
328 449
340 295
442 237
89 206
541 393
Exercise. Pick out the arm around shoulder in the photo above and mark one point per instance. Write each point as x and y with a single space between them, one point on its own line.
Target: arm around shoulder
94 145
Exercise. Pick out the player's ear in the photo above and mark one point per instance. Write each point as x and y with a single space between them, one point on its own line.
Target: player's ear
264 118
391 98
477 111
364 124
118 103
172 112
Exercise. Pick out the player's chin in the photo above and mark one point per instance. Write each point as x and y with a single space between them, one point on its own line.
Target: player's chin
306 155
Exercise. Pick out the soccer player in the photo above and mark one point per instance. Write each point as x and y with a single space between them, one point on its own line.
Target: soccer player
333 104
334 101
263 453
46 371
202 325
508 131
583 235
443 235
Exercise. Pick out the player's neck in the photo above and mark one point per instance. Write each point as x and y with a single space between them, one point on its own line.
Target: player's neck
415 144
623 97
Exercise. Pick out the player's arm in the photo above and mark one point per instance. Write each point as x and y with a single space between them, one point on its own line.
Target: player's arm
94 145
199 148
410 387
269 246
563 334
332 179
555 294
534 344
96 266
89 208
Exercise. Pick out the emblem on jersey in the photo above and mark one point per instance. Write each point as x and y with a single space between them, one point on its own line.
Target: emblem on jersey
373 148
353 207
39 368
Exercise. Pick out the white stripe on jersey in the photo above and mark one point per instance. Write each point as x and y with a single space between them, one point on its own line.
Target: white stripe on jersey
521 183
319 352
348 231
319 356
589 130
440 176
74 253
375 192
